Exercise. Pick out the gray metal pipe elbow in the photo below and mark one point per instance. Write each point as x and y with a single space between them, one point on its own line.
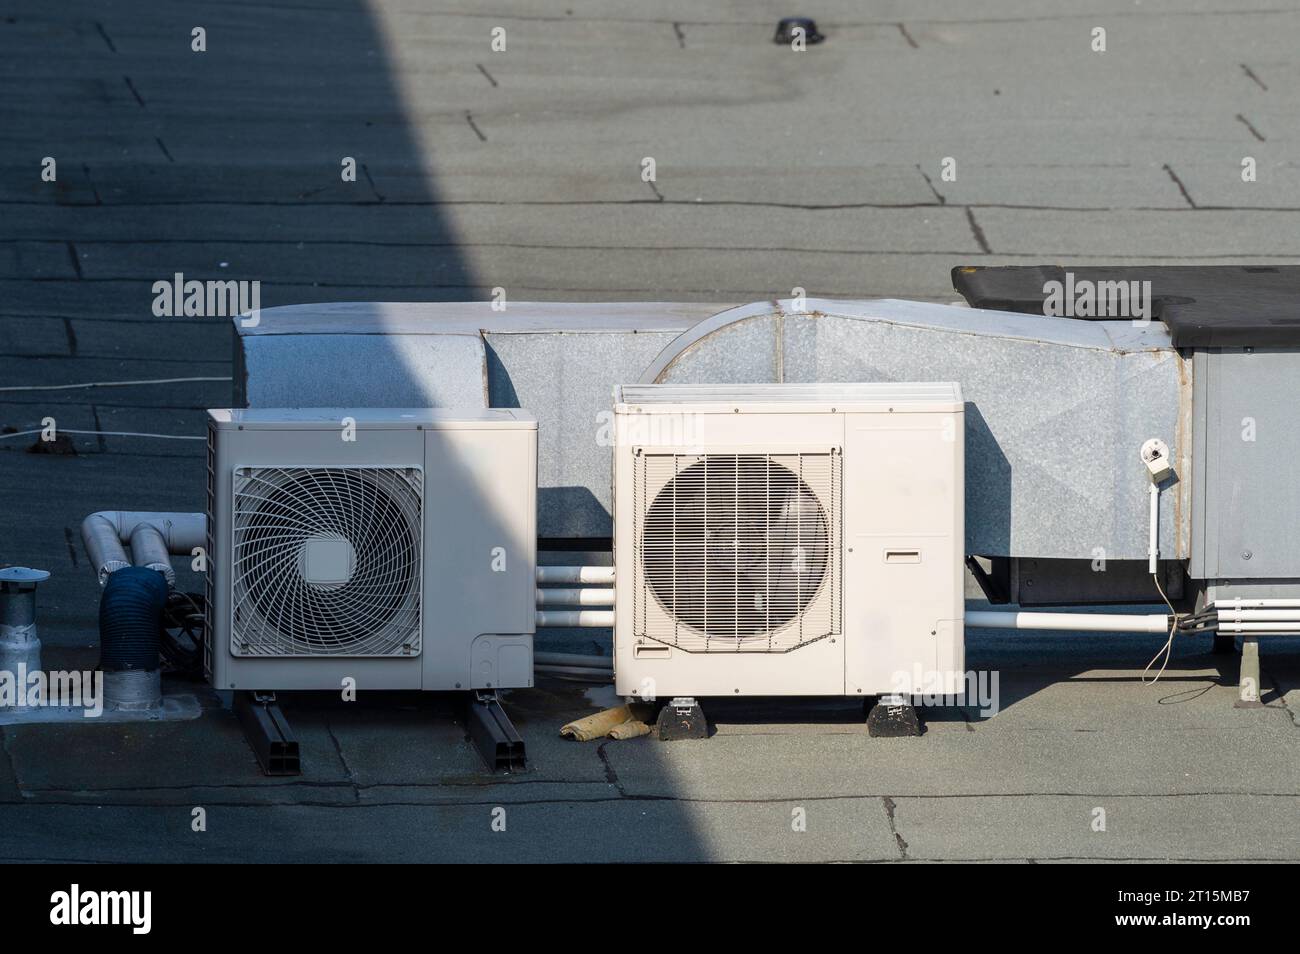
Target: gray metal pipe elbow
152 537
103 545
149 549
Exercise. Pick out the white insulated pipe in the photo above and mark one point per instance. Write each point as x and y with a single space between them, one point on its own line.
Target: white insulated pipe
1276 627
151 536
1265 616
584 619
1153 541
1237 603
1081 622
1258 615
149 549
567 597
580 596
103 545
576 574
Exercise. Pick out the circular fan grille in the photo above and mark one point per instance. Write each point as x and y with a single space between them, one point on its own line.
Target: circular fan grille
735 545
327 562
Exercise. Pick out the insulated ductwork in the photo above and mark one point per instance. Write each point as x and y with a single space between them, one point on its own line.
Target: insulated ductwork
152 537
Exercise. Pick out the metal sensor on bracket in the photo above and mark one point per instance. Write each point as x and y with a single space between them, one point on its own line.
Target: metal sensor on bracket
1155 455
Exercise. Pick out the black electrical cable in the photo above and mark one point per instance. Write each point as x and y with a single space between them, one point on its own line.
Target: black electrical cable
1204 621
181 634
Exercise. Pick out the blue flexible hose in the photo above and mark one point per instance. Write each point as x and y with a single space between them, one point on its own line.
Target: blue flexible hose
130 619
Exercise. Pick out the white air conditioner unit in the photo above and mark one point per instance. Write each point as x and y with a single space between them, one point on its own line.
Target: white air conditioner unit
396 547
788 540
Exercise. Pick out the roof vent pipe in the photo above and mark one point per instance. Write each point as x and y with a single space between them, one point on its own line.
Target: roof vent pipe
20 648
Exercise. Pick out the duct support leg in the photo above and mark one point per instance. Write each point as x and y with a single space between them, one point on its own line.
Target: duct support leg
1249 679
268 733
892 717
493 734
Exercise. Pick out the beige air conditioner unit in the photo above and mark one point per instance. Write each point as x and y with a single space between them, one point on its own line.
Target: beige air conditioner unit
788 540
396 547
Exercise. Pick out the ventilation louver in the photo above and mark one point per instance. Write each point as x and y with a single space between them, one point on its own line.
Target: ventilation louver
326 561
737 552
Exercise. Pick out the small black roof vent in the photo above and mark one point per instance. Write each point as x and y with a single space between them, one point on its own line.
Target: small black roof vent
785 30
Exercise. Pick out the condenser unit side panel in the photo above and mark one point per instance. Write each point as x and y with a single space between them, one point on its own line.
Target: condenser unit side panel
480 556
903 534
627 498
216 642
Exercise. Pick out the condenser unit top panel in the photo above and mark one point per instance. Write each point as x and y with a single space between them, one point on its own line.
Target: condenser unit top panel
881 397
325 418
